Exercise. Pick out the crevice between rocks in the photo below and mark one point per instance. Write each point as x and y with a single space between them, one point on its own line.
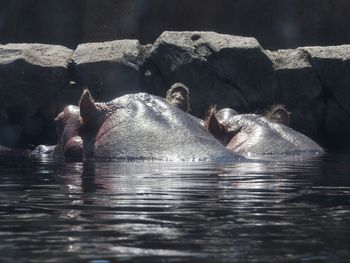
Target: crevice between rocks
326 90
327 97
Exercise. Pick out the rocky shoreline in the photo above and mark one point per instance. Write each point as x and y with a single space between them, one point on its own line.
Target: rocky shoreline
38 80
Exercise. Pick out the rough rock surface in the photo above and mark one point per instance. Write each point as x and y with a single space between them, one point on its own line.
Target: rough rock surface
109 69
225 70
30 74
299 89
30 77
332 67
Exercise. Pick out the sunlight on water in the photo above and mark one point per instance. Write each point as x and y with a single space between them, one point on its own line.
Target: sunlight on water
264 211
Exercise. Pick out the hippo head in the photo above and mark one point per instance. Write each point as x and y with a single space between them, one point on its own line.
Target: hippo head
70 144
74 125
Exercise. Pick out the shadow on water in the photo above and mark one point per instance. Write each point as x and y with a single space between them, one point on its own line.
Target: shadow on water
275 211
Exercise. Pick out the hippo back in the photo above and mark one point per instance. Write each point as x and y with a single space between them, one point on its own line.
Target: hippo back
256 134
142 126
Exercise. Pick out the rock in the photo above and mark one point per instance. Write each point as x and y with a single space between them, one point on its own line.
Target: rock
226 70
109 69
336 126
332 67
30 75
299 89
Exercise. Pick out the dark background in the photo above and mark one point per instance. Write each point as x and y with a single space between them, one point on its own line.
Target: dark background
275 23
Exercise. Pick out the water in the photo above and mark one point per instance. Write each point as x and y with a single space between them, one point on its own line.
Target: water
280 211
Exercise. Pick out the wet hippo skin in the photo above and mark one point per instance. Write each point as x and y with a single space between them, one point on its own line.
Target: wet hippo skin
135 127
255 134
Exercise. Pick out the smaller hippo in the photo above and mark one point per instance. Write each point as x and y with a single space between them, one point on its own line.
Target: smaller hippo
248 134
179 96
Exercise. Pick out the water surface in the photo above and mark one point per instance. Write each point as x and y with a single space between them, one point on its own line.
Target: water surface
277 211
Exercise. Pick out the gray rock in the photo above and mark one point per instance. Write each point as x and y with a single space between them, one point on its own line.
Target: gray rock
30 75
336 126
332 66
299 89
229 71
109 69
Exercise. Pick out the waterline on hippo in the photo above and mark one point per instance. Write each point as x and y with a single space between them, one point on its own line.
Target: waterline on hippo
135 127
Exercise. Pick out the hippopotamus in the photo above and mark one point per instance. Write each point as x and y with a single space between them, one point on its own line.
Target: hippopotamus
135 127
254 134
179 96
70 143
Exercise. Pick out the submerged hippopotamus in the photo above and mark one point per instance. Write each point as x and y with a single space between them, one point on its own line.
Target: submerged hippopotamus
137 127
249 134
179 96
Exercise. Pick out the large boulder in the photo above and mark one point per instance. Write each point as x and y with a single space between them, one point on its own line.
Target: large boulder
332 66
229 71
109 69
299 89
31 75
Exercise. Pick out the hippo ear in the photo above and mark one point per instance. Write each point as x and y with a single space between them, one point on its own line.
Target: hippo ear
213 125
88 109
280 115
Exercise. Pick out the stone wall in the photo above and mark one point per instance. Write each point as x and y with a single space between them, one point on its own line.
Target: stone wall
38 80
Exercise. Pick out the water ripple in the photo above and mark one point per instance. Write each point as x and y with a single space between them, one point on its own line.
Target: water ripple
271 211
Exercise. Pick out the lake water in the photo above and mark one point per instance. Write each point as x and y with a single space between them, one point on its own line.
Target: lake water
276 211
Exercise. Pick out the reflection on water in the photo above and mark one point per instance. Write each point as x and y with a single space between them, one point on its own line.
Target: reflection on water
280 211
